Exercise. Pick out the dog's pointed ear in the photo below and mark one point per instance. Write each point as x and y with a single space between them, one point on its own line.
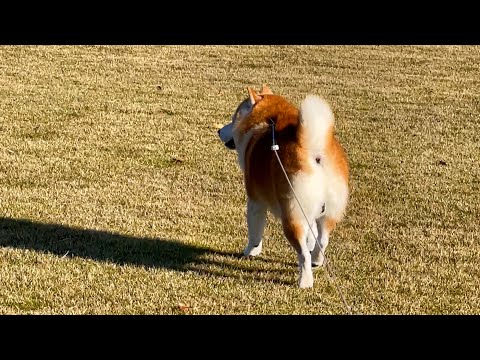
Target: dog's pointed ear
254 97
266 90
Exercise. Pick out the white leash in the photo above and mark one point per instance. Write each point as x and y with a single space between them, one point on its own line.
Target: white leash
331 276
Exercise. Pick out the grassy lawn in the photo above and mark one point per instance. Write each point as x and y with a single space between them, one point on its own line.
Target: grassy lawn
117 197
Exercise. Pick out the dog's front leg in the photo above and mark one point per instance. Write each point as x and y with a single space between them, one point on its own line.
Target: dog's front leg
256 216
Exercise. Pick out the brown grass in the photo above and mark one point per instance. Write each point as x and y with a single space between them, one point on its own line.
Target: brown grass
117 197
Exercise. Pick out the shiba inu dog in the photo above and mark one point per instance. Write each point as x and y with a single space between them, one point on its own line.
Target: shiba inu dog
314 161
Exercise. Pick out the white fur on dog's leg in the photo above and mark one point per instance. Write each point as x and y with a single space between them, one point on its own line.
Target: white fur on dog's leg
305 266
318 257
311 240
297 236
256 217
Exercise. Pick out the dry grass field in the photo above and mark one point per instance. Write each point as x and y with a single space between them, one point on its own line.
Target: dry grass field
117 197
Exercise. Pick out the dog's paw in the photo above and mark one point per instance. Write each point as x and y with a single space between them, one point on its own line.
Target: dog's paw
318 262
318 258
305 281
252 251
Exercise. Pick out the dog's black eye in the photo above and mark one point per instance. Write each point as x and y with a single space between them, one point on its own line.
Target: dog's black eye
318 159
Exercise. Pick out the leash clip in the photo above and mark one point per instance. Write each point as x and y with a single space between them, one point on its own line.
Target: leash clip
274 147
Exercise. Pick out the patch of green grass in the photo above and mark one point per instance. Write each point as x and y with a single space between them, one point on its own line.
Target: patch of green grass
117 197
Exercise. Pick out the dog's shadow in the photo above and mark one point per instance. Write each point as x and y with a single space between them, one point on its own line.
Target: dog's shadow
129 250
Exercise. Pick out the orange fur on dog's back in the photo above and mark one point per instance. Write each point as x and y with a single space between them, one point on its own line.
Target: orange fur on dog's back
273 107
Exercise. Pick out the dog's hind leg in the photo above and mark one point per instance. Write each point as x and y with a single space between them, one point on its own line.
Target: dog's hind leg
296 233
312 238
256 217
325 227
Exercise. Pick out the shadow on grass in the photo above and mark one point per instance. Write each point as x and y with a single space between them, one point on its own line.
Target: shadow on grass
122 249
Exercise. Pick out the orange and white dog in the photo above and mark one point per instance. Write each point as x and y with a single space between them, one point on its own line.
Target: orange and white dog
314 160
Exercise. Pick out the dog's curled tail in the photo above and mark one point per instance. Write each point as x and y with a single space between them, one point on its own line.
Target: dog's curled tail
317 118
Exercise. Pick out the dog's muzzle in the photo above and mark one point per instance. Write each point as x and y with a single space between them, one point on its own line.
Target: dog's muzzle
229 144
